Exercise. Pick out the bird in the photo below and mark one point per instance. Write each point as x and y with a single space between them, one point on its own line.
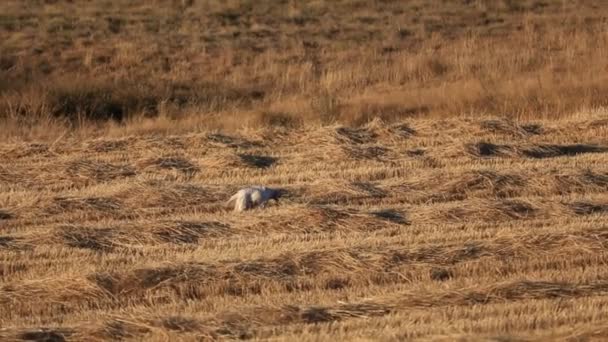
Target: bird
254 196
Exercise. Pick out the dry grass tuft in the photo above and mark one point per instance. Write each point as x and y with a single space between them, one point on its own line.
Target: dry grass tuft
98 171
484 182
392 216
278 119
120 329
486 149
181 324
190 232
45 335
355 136
587 208
28 151
5 215
8 241
99 240
403 130
492 211
440 274
257 161
222 140
551 151
170 163
582 181
511 128
516 209
168 196
369 152
107 145
140 280
96 204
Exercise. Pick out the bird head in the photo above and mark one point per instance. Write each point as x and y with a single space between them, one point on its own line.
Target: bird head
277 193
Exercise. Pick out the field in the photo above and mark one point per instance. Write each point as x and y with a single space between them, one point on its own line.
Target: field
446 172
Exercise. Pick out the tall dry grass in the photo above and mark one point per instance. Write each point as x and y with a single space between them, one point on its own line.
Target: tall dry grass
231 64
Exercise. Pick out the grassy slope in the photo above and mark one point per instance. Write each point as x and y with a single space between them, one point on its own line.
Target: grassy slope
390 230
223 64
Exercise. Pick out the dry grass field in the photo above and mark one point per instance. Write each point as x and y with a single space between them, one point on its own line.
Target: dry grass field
427 228
446 168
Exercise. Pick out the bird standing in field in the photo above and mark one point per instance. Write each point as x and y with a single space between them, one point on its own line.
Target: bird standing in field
255 196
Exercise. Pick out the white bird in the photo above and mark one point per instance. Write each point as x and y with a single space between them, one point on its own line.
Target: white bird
251 197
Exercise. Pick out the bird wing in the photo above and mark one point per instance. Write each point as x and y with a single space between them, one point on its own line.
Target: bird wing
257 197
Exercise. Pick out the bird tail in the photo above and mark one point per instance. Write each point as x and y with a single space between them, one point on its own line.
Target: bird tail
232 199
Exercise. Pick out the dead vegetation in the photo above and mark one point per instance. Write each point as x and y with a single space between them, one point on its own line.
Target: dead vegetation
190 232
257 161
88 238
149 67
486 149
98 171
588 208
128 239
445 168
4 215
171 163
511 128
551 151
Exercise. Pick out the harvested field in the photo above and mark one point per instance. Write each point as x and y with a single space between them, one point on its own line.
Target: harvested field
445 166
99 243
